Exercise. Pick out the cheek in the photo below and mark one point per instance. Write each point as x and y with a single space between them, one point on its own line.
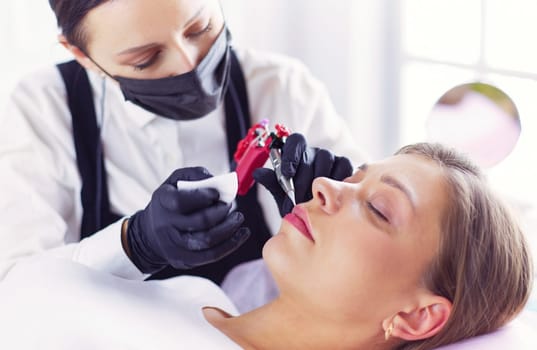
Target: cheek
362 269
352 261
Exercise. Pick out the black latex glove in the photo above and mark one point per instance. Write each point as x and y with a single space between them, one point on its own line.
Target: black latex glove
183 228
303 164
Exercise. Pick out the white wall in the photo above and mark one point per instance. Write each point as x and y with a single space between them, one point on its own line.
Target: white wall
343 42
28 39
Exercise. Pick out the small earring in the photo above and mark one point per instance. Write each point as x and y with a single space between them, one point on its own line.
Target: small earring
388 332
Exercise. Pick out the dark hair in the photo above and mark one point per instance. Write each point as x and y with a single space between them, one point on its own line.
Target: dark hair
484 265
70 16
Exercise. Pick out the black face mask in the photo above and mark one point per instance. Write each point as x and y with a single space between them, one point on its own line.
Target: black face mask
187 96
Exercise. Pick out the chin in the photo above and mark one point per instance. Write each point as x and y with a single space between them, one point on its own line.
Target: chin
270 248
276 255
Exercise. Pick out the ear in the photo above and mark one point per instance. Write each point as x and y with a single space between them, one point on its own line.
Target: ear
79 55
422 321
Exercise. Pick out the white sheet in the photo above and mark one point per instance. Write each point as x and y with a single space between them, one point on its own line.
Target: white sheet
70 306
520 334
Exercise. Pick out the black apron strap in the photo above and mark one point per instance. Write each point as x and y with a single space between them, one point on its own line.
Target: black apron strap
90 162
86 134
238 122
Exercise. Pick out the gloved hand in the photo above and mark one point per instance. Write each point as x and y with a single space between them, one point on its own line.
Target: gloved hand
303 164
183 228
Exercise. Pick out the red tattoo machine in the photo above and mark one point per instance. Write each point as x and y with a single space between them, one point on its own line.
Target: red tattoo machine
255 149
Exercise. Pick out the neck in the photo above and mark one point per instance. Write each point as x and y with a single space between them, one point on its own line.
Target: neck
282 325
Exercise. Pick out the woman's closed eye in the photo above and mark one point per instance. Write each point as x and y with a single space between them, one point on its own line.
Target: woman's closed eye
195 34
198 33
377 212
148 62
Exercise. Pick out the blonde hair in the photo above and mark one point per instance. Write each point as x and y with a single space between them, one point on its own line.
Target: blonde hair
484 266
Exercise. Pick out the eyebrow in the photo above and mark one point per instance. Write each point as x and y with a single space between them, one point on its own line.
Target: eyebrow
136 49
196 15
392 181
150 45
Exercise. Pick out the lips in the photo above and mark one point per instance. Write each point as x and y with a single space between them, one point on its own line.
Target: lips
299 219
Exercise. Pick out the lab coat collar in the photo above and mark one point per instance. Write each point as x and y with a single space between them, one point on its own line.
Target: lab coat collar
139 116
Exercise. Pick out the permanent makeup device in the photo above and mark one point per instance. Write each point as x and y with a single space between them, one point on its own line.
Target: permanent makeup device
259 145
253 151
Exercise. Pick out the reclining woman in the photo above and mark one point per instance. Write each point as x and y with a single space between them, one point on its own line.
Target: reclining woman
407 253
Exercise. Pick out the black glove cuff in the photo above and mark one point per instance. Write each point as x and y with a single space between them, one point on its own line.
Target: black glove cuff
140 256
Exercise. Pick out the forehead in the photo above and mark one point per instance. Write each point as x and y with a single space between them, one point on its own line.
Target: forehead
127 23
418 172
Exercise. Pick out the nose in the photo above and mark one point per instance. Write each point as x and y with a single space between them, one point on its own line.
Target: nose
189 53
327 194
186 59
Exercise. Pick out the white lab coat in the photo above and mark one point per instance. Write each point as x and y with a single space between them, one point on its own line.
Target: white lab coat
40 209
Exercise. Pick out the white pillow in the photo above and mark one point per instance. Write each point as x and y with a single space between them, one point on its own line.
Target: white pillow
520 334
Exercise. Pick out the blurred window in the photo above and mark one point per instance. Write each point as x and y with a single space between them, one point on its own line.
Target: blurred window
448 43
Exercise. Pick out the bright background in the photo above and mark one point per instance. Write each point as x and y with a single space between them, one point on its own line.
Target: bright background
385 62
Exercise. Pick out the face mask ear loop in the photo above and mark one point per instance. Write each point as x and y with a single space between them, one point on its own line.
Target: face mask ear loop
98 65
99 152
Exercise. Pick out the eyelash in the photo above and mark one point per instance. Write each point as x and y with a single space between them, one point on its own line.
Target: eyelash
205 30
148 63
377 212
